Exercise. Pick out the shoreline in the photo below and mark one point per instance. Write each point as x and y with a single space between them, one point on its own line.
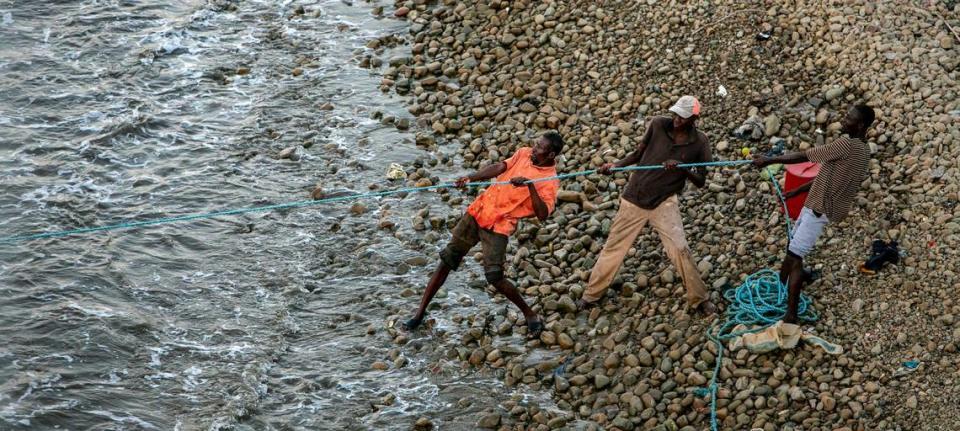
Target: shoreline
485 78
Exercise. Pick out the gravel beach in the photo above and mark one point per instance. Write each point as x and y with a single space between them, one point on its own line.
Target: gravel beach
481 78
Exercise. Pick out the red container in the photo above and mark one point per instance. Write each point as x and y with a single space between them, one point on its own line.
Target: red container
797 175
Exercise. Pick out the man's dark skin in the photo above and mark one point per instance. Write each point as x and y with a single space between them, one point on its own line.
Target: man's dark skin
542 156
682 127
792 269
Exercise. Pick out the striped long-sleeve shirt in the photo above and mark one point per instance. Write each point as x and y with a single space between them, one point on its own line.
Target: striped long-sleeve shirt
843 167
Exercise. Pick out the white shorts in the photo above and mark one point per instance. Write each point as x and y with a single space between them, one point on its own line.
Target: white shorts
806 231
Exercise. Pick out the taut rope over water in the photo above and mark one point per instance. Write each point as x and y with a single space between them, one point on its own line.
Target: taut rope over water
307 203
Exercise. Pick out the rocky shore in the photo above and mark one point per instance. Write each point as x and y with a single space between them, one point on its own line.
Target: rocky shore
483 77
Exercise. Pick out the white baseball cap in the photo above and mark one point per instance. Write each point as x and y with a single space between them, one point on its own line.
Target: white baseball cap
686 106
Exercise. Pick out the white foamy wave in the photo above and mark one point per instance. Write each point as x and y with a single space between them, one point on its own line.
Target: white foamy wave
230 351
88 121
96 311
128 419
196 277
155 354
87 188
161 376
66 358
114 378
191 378
168 42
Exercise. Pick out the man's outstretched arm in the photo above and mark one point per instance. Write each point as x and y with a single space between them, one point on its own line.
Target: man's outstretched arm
786 159
540 208
484 173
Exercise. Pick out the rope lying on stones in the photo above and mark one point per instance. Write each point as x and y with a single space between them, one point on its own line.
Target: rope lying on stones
308 203
760 301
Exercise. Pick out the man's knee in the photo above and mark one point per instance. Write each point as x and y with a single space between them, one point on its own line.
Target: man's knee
451 257
793 258
677 250
493 275
799 249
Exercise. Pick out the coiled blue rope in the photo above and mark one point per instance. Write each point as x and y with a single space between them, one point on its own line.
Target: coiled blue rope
307 203
760 301
763 303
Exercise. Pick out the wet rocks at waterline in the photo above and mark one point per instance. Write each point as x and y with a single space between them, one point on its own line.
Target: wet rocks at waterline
488 75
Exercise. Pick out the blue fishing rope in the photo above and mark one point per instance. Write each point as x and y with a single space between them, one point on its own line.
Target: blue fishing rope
306 203
759 302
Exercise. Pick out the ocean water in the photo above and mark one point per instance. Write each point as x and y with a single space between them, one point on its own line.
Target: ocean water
129 110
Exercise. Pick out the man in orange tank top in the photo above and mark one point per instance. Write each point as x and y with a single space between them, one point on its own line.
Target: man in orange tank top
493 217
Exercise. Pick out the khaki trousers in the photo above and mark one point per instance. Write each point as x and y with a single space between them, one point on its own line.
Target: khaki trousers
629 221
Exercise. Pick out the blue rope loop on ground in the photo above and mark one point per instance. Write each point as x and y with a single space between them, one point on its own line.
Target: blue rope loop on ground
307 203
763 302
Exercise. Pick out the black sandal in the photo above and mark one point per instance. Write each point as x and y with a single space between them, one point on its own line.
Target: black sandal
584 305
534 328
412 324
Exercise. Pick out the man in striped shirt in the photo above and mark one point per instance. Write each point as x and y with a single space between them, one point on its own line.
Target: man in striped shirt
843 166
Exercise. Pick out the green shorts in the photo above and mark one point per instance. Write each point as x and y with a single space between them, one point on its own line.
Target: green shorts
466 234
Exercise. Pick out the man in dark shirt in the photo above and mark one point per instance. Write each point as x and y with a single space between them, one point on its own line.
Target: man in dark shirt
651 196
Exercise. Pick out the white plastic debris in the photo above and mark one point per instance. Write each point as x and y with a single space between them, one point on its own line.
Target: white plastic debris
722 91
